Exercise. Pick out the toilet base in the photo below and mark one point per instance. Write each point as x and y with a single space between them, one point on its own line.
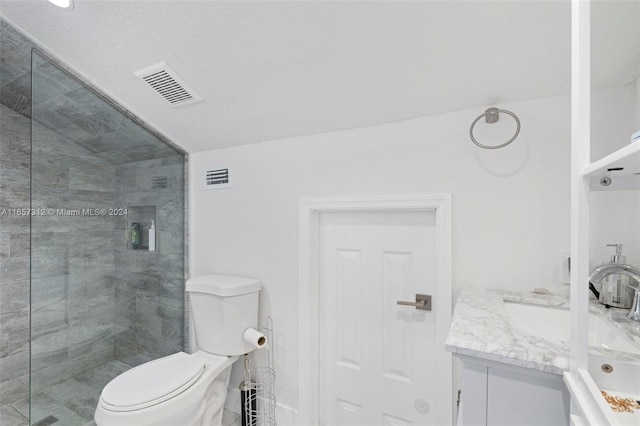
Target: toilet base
202 404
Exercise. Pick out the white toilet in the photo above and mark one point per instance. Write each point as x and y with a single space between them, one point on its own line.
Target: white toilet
189 389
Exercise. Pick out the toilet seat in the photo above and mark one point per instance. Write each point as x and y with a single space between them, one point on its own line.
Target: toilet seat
152 383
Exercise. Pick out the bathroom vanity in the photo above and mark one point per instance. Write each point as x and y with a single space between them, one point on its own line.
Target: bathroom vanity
514 349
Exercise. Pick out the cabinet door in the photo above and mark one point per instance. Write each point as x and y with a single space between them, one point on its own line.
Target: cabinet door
517 399
473 400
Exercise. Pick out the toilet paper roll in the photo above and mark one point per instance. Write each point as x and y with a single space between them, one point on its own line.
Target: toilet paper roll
255 338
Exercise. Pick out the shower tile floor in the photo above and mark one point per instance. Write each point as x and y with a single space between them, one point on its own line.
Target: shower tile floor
73 401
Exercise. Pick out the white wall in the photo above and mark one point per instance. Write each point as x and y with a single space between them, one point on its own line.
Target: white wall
612 119
615 216
636 104
510 206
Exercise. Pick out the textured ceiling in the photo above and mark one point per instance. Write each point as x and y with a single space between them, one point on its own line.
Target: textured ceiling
280 69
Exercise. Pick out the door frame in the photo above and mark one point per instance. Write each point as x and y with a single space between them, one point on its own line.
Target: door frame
309 210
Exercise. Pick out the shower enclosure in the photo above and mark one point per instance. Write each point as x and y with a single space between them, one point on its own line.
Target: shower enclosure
101 301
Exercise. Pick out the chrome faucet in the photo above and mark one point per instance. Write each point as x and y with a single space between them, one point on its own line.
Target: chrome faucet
634 312
601 272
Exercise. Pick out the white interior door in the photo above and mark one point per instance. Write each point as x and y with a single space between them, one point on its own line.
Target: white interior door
378 359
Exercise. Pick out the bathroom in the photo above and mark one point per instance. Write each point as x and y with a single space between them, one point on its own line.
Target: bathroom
305 104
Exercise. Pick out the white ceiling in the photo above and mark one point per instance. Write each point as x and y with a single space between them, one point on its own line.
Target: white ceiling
272 70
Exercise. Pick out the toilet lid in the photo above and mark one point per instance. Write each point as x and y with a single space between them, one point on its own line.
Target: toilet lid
153 382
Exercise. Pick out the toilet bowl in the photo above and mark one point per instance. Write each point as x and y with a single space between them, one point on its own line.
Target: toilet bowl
179 389
189 389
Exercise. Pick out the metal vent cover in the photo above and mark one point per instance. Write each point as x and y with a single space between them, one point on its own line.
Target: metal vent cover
165 82
217 179
159 182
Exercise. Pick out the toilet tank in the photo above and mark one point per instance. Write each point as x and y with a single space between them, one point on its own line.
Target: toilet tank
222 307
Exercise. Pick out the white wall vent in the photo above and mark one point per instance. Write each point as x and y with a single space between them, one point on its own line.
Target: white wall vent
165 82
217 179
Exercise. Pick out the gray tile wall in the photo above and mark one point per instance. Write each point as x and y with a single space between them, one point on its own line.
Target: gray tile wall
15 88
14 256
72 259
150 285
15 70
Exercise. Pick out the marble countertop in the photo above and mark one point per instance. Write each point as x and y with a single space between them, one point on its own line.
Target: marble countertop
480 328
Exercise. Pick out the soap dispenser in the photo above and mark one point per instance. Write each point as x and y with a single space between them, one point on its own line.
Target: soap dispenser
616 281
152 236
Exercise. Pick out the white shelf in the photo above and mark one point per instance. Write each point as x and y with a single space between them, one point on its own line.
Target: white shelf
622 166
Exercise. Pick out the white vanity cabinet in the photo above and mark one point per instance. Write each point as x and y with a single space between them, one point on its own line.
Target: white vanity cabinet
498 394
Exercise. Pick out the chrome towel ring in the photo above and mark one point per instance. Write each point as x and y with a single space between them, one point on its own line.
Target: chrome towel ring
491 116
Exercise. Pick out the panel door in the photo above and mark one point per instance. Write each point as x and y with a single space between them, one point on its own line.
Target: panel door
378 358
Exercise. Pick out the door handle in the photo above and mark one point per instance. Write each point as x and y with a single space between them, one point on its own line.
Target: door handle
423 302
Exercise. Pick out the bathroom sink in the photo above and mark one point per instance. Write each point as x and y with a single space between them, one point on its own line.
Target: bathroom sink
617 376
554 324
614 374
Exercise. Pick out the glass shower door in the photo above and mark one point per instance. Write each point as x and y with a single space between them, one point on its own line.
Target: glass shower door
101 300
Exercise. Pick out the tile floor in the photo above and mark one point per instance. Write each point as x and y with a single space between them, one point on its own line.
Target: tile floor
73 401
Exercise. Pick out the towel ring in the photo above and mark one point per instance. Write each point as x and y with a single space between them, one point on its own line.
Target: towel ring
491 116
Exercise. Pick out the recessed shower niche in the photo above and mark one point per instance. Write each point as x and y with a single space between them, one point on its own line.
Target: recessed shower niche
140 228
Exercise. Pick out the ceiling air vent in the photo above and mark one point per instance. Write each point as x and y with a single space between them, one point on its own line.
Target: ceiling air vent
161 78
217 179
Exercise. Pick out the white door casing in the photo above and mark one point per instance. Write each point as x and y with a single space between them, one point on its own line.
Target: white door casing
404 329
